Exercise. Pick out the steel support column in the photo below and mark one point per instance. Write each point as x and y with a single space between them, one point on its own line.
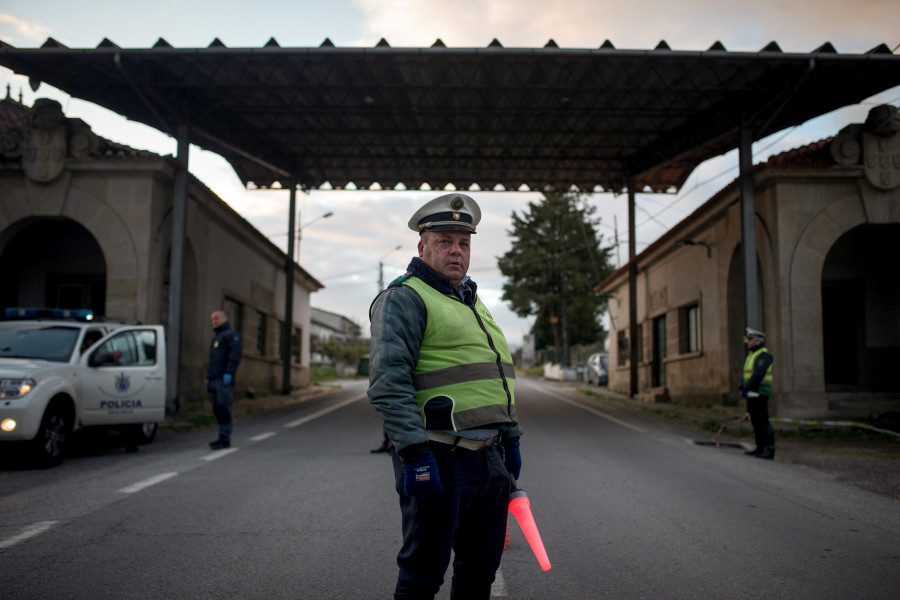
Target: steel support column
748 230
176 268
632 295
287 329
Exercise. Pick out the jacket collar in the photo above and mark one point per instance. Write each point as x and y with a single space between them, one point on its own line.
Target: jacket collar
418 268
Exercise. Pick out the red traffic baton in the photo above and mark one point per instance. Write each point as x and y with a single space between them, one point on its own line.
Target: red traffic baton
520 507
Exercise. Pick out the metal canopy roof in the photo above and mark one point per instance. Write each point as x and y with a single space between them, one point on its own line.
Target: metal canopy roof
545 118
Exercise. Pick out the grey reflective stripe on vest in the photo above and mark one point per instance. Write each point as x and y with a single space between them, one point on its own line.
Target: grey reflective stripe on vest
461 374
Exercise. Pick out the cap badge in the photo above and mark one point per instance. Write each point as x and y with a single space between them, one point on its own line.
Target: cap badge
456 216
456 204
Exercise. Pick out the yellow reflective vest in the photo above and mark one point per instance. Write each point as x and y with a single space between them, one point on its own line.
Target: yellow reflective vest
464 365
765 386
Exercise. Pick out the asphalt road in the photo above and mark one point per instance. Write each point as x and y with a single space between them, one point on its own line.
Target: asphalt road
628 507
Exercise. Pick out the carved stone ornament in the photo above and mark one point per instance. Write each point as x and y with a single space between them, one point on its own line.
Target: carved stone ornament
11 143
875 144
45 139
44 146
882 160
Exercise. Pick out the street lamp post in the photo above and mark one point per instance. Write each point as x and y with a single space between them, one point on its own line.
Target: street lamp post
287 331
381 268
300 229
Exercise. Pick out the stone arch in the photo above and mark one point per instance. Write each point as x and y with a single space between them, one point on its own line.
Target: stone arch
52 262
805 284
113 235
861 323
805 277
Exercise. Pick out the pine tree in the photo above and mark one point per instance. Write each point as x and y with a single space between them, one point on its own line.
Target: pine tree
555 261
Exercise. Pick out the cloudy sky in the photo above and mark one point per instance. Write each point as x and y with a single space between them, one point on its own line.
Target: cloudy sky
344 251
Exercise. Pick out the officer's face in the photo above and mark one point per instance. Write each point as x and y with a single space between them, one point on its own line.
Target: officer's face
752 342
217 318
447 252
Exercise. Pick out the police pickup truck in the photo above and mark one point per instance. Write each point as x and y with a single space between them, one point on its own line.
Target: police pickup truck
62 370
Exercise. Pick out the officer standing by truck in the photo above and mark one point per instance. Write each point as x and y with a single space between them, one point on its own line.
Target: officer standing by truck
224 358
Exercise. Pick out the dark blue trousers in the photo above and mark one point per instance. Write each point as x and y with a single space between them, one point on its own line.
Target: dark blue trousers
222 398
468 517
759 416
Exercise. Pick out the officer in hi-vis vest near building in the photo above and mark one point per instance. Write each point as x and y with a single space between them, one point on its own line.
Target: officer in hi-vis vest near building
442 378
756 387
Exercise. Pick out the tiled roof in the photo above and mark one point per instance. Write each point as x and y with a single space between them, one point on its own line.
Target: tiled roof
13 114
816 154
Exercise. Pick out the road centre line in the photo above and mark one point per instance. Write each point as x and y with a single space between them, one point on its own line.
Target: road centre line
140 485
589 409
216 454
31 531
136 487
40 527
322 412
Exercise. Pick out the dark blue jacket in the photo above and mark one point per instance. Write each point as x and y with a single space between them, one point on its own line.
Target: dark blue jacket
224 352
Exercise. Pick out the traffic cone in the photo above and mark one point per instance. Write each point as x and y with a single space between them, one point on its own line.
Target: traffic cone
520 507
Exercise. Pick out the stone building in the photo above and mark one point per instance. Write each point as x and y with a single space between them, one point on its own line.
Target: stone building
828 240
327 326
87 223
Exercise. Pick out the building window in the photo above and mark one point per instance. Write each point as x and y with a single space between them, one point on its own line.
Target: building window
689 329
234 311
295 345
658 366
622 348
279 337
261 334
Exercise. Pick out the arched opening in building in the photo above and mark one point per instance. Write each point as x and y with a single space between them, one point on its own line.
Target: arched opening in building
860 314
52 263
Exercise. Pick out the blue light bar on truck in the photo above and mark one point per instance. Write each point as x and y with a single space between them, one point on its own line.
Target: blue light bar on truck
72 314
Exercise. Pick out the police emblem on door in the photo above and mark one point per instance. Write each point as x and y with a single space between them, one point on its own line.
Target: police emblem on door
123 383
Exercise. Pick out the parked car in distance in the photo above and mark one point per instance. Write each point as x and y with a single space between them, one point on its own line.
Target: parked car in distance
597 369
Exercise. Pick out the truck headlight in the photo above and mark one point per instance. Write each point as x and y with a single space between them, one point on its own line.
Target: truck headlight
15 388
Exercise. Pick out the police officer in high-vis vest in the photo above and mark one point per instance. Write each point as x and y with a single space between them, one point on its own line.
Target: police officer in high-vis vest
441 376
756 387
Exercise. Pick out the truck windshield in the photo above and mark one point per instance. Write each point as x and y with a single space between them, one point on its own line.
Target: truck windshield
45 342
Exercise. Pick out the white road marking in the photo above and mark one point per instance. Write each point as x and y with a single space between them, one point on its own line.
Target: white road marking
218 454
322 412
599 413
262 436
31 531
140 485
498 589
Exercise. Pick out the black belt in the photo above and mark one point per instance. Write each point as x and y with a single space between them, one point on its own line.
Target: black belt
455 440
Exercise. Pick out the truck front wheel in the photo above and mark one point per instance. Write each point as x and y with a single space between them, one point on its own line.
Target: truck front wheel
49 445
142 434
